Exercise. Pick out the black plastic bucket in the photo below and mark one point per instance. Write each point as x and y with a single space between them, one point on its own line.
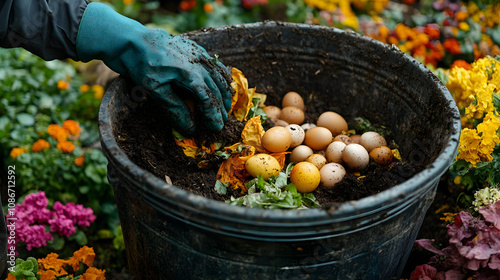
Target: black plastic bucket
171 233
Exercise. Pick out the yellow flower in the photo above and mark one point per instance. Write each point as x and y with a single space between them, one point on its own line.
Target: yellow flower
57 132
98 91
15 152
72 127
463 26
62 85
469 143
93 273
40 145
457 180
79 161
66 147
84 88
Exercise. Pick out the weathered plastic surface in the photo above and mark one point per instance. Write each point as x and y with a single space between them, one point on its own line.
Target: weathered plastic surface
173 234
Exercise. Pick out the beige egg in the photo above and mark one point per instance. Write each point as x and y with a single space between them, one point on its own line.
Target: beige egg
371 140
334 151
318 138
343 138
333 121
382 155
292 115
307 126
300 153
317 159
331 174
293 99
355 138
297 133
277 139
280 123
273 112
355 157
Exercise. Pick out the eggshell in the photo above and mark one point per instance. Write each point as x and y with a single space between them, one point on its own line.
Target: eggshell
305 177
371 140
334 151
307 126
318 138
333 121
297 133
317 159
293 99
280 123
331 174
356 157
300 153
292 115
264 165
277 139
382 155
273 112
355 138
343 138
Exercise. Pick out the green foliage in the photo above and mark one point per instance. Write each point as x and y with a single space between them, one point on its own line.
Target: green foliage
26 269
275 193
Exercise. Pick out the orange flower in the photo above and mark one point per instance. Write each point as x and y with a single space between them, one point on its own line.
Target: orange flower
98 91
187 5
79 161
39 145
52 263
66 147
461 63
452 45
48 275
461 15
62 85
11 277
15 152
57 132
128 2
93 273
85 255
208 7
72 127
84 88
433 33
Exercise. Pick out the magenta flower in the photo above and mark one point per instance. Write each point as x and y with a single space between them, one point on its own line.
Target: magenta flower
62 225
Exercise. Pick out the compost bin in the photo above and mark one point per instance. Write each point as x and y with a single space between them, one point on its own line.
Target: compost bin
171 233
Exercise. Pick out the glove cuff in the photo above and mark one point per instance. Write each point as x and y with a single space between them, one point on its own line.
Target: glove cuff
105 34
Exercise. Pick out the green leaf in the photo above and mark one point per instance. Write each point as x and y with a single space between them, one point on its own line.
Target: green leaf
25 119
220 187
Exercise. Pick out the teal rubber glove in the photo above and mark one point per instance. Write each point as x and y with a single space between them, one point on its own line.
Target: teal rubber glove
160 63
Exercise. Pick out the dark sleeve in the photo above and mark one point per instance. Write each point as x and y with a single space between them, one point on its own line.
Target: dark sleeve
46 28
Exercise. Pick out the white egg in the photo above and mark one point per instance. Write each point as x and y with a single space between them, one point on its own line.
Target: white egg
297 133
334 151
371 140
331 174
356 157
307 126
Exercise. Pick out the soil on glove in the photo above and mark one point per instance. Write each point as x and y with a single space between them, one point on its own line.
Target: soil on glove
148 142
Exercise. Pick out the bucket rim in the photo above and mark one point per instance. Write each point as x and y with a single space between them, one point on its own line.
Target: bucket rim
158 189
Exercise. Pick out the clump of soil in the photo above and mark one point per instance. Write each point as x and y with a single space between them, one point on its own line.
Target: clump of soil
147 140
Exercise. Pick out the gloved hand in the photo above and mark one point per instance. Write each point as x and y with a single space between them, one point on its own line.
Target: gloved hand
157 61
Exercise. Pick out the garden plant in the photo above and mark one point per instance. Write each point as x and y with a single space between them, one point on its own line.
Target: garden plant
68 225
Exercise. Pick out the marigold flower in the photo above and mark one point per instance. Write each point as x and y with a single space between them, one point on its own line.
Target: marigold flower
79 161
66 147
57 132
62 85
98 91
15 152
84 88
40 145
461 15
72 127
128 2
48 275
52 263
93 273
208 8
452 45
462 64
85 255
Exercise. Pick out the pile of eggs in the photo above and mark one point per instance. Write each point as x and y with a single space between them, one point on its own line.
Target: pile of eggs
321 151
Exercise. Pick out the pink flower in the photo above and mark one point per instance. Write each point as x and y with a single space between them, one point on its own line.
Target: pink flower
34 236
62 225
77 213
